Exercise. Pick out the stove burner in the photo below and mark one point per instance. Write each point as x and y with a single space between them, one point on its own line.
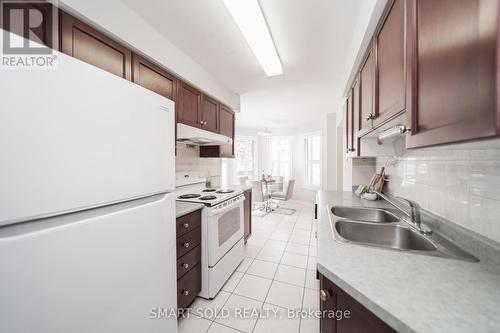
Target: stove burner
208 197
209 190
222 191
189 196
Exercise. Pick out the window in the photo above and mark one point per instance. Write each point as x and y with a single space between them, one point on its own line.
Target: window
312 147
280 156
246 157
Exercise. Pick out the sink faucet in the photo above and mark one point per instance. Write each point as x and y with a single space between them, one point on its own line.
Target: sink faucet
414 214
414 211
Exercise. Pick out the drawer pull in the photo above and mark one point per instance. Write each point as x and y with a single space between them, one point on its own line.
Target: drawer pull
324 295
186 266
186 245
185 292
186 225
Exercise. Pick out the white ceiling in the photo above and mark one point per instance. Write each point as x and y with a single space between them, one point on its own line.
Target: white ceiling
313 39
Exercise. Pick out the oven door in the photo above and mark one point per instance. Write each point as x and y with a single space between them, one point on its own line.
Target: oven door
225 228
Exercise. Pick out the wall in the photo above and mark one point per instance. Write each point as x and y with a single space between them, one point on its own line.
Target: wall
330 152
362 170
188 159
460 183
302 191
132 30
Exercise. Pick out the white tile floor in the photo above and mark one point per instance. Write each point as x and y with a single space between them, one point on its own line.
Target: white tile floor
278 273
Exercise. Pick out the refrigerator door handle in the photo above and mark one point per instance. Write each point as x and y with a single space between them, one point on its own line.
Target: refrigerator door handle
40 225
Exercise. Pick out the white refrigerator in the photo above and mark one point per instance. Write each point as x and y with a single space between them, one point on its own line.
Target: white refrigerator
87 221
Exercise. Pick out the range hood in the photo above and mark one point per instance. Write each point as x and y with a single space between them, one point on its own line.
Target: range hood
199 137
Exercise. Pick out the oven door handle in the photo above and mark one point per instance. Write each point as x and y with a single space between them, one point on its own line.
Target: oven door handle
220 211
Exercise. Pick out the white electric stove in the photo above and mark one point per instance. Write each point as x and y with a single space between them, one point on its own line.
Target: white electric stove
222 243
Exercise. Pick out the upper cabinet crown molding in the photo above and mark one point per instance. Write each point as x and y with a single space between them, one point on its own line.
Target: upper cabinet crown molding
83 42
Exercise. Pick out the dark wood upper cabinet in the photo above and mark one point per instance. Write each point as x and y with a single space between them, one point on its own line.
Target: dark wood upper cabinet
210 114
453 70
152 77
356 113
355 317
367 87
188 105
349 123
390 62
81 41
226 127
227 119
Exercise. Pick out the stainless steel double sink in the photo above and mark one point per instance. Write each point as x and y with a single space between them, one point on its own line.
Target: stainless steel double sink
384 228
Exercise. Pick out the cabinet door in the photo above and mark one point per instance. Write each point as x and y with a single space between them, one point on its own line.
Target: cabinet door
327 303
356 113
452 52
390 64
349 123
87 44
247 214
360 319
351 316
226 121
188 105
152 77
210 114
367 87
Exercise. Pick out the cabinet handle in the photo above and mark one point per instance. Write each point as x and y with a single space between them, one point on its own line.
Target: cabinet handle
370 117
186 245
186 225
204 123
185 292
186 266
324 295
201 122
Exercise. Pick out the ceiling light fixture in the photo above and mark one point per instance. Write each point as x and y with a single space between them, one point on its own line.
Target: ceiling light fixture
250 20
265 132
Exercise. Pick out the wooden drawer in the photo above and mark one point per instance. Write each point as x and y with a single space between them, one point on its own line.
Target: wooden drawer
188 287
188 222
188 242
188 261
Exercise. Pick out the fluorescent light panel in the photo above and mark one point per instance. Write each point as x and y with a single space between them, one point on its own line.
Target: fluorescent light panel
251 22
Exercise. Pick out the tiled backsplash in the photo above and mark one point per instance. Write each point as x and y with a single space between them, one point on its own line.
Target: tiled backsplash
461 185
362 170
188 159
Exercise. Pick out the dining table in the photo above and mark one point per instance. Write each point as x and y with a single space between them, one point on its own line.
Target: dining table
268 204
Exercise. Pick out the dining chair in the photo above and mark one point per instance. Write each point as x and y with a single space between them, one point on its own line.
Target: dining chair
277 185
258 195
284 195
